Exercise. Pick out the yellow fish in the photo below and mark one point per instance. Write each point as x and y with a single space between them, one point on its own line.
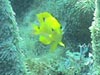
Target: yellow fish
49 30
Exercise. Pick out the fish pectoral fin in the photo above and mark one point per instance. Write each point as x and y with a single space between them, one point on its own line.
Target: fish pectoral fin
44 40
61 44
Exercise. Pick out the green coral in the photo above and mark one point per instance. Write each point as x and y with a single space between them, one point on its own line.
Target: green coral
95 35
77 22
11 62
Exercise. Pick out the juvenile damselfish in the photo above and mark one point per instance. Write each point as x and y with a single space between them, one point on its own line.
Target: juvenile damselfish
49 30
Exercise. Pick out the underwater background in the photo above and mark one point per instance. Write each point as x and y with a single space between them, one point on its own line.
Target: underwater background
49 37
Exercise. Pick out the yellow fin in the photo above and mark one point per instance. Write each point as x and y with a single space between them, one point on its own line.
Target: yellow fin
44 40
61 44
53 46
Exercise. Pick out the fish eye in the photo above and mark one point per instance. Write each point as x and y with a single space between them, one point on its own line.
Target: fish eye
60 27
38 27
43 18
52 29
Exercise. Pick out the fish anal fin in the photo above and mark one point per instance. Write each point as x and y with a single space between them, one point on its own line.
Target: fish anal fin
53 47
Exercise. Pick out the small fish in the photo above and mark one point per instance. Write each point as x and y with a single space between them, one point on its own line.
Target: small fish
49 30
